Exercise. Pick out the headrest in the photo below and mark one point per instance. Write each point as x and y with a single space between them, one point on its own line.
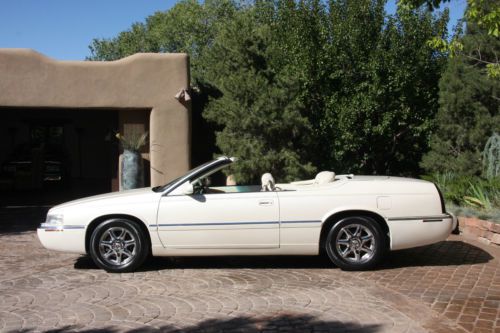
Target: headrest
324 177
268 184
230 180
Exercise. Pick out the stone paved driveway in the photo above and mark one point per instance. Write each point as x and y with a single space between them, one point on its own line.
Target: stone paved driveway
453 286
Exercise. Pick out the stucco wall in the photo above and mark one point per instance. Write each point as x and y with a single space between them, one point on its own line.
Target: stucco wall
141 81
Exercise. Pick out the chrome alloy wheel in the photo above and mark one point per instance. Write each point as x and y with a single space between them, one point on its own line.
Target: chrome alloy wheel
117 246
355 243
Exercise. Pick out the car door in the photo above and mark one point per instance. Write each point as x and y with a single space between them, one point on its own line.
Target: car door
219 221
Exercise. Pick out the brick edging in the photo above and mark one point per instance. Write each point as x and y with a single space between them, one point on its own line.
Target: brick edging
485 231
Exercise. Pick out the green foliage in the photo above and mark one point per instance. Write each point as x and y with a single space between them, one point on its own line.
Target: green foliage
430 4
478 198
454 187
469 109
484 14
452 47
489 215
259 108
384 92
127 43
491 156
444 181
189 26
493 70
367 86
298 86
470 191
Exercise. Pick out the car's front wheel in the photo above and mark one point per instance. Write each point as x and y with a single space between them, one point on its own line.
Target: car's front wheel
355 243
118 245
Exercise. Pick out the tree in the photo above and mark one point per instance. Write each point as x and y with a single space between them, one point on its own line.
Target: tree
259 112
485 14
127 43
469 110
188 27
368 82
381 88
297 86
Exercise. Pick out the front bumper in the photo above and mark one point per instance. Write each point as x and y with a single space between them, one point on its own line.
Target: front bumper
66 238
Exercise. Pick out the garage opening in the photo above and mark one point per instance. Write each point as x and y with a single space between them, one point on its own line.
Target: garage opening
49 156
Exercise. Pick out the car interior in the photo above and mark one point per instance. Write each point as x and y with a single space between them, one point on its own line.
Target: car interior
216 181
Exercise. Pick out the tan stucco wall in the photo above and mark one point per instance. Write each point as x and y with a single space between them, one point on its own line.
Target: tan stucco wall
142 81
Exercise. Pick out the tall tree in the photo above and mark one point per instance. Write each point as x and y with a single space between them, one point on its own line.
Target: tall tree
381 88
189 26
469 108
368 82
295 86
259 110
485 14
384 119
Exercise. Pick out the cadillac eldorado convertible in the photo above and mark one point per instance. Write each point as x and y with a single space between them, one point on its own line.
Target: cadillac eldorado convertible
352 219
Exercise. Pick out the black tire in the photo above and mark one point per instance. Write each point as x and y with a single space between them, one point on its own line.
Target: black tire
348 250
118 246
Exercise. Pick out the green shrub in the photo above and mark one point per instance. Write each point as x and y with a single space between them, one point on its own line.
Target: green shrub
469 195
478 197
454 187
491 156
489 215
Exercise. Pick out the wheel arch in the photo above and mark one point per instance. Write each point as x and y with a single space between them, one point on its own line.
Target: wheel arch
98 220
338 216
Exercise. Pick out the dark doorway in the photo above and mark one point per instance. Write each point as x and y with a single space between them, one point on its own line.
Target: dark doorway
49 156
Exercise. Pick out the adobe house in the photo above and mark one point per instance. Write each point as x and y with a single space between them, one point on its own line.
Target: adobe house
72 109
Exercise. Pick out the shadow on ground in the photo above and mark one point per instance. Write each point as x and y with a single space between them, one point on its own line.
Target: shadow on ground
441 254
21 219
283 323
444 253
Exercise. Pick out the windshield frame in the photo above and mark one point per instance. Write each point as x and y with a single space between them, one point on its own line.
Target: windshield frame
196 172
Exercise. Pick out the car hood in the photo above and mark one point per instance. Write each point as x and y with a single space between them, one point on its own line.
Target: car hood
107 197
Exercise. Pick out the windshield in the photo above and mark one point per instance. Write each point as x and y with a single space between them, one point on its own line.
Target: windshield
192 173
162 187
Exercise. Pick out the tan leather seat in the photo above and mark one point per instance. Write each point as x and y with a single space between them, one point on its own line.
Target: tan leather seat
268 184
324 177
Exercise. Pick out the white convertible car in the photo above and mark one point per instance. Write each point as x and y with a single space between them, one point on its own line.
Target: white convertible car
353 219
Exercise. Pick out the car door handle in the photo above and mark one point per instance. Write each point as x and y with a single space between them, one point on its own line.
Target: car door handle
266 202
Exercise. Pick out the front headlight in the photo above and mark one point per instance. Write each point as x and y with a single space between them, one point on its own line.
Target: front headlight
54 220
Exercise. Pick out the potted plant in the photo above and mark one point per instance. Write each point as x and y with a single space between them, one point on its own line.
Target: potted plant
132 173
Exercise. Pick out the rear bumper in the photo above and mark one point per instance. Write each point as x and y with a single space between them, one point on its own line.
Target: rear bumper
455 221
413 231
63 238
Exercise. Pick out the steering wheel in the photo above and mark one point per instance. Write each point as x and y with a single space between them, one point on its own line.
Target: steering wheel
200 186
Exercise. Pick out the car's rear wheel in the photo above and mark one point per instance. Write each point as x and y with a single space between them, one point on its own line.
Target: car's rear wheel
118 245
355 243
